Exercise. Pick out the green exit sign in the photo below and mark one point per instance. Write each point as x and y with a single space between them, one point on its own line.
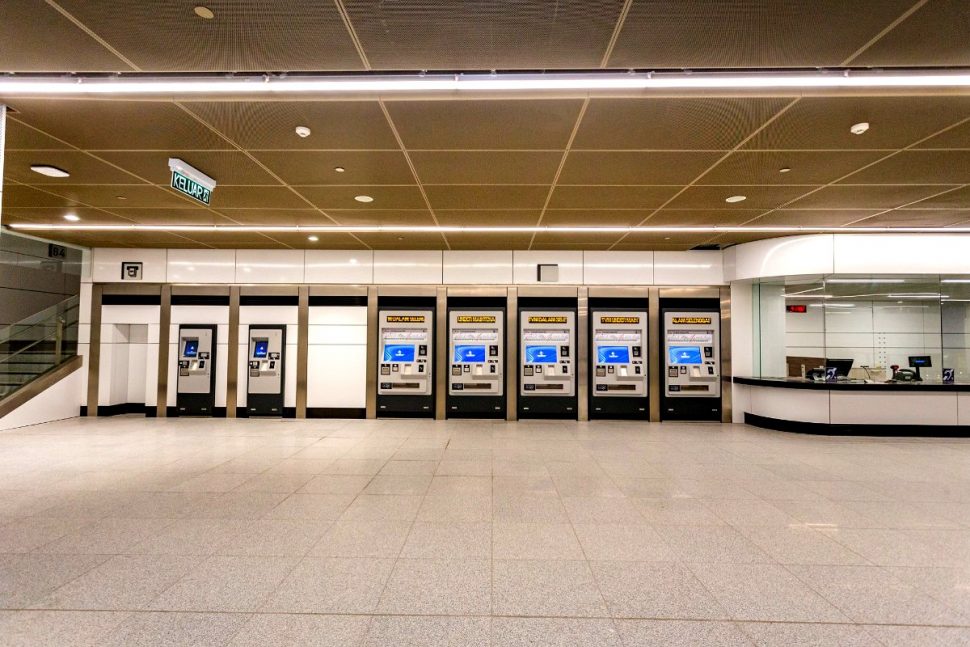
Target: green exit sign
190 181
191 188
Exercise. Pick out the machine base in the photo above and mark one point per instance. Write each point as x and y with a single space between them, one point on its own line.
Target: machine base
195 404
486 406
405 406
553 407
619 408
701 409
263 405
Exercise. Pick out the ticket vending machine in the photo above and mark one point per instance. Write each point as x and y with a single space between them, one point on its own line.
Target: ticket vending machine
618 363
547 360
196 380
405 375
264 392
691 361
476 359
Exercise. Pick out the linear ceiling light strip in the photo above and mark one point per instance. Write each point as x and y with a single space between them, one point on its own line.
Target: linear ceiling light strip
403 229
137 84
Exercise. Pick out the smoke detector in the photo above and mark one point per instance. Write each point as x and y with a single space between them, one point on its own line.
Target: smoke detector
303 131
859 128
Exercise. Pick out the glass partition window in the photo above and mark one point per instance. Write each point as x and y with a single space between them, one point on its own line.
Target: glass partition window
863 327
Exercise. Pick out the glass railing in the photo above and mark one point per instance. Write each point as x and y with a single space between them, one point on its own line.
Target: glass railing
31 347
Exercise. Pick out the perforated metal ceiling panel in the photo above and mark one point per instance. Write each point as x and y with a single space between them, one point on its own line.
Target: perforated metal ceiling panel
483 34
512 162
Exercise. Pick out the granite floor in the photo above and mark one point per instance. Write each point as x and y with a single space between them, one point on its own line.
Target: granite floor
127 531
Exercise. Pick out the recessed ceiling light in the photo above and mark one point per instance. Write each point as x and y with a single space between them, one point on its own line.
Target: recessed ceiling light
736 198
121 197
71 217
353 261
302 131
49 171
204 12
859 128
784 169
339 169
363 198
313 239
400 237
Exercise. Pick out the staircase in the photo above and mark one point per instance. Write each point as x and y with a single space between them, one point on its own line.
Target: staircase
37 345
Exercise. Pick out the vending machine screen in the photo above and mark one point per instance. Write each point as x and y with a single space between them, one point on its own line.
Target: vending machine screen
541 355
469 354
191 348
685 355
398 353
261 348
613 354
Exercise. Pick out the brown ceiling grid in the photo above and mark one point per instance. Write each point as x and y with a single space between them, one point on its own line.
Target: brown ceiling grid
515 162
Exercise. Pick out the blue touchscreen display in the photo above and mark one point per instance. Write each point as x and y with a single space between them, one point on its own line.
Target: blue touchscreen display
685 355
541 355
398 353
469 354
261 348
191 348
613 354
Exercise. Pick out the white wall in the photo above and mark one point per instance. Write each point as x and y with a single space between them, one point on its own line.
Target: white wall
56 403
410 267
849 254
337 361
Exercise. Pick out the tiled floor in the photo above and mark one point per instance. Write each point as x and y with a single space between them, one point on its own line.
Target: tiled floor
135 532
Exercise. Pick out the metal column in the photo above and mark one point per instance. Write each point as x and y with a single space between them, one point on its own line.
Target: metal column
302 349
232 371
94 350
164 329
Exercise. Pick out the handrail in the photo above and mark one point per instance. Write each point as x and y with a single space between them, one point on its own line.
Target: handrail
45 316
53 335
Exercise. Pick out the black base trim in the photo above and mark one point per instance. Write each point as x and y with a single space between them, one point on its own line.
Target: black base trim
619 408
269 405
248 412
127 408
173 412
699 409
822 429
552 407
488 407
83 412
405 406
336 412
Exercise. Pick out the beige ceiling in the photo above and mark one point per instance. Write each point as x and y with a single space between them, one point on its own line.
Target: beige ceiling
602 161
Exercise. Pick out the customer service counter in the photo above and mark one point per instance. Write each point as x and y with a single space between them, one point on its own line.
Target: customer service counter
854 408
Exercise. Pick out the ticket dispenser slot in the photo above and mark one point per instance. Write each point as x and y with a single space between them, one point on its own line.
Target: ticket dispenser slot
266 370
476 358
196 378
405 375
618 361
691 361
547 360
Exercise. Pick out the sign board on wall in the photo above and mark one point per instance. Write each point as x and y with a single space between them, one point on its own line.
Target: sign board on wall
190 181
132 271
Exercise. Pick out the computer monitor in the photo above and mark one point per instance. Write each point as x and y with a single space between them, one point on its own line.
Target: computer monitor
920 361
841 366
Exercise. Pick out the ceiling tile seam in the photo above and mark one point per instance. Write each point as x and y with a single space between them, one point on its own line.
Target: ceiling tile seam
352 32
410 163
903 206
562 165
88 206
231 142
615 36
862 168
92 34
726 155
888 28
185 199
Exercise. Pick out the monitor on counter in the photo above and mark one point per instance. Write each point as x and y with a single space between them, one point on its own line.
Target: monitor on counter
841 366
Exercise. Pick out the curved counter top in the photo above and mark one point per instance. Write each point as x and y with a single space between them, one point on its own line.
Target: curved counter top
853 385
854 408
